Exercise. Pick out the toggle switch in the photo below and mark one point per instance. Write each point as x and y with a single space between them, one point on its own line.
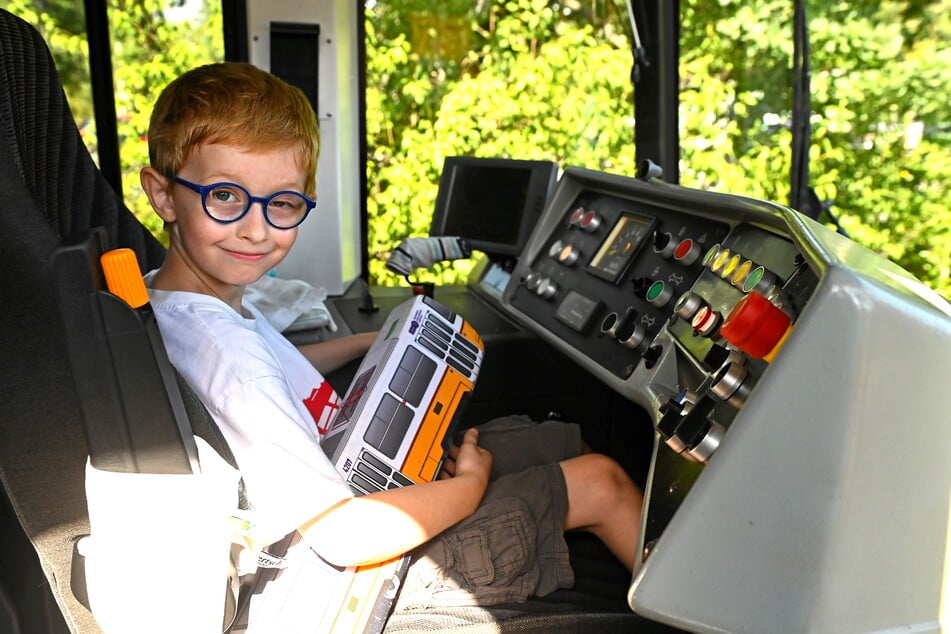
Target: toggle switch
663 244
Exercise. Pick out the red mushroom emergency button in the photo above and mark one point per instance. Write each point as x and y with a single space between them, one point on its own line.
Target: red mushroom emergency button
756 326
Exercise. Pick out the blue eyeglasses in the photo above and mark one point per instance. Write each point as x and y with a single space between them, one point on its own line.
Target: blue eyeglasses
230 202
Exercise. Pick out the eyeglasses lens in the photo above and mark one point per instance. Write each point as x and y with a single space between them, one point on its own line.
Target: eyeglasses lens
228 203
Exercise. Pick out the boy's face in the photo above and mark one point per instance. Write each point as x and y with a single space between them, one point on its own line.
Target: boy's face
228 256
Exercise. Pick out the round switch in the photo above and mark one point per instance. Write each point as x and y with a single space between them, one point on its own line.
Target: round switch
755 326
710 254
726 271
591 221
759 279
630 333
688 305
687 252
719 260
568 255
705 321
739 275
546 288
610 323
576 217
532 279
659 293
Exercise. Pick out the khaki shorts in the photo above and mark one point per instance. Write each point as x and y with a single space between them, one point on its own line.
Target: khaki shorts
513 546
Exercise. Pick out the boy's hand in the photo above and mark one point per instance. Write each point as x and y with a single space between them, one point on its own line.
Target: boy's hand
468 459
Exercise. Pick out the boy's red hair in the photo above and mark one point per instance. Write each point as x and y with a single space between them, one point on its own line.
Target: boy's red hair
236 104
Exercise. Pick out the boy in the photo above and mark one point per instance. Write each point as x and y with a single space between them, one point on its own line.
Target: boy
233 154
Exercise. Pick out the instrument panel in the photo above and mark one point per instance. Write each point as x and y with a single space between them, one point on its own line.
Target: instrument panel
681 305
782 366
607 277
623 274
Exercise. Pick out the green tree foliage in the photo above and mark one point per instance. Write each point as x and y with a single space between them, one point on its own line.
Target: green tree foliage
533 85
63 24
550 80
547 79
880 155
152 42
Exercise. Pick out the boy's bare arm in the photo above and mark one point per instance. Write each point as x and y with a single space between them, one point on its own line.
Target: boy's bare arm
349 533
327 356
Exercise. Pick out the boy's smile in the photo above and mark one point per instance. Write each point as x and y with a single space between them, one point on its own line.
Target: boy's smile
215 258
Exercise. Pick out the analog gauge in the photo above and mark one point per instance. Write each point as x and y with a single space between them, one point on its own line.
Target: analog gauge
616 252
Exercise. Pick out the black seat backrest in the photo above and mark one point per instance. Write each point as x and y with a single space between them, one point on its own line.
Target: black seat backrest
50 192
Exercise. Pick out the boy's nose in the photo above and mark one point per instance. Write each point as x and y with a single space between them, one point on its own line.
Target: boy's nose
254 225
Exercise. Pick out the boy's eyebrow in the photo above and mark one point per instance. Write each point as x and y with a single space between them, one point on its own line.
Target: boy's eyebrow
224 177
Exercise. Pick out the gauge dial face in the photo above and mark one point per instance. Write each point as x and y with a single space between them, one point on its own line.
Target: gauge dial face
616 252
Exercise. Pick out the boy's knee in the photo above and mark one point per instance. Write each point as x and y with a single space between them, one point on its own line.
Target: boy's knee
614 475
600 493
605 478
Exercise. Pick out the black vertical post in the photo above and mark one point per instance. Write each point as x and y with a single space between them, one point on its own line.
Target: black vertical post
234 18
103 92
799 198
362 134
657 86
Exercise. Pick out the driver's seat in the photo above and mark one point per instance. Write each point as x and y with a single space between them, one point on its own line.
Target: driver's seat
50 192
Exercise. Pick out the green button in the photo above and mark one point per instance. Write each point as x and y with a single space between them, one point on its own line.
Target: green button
753 279
654 291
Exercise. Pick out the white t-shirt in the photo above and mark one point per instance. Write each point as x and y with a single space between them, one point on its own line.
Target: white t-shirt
268 400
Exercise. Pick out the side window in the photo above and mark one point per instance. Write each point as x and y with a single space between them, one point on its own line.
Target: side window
151 42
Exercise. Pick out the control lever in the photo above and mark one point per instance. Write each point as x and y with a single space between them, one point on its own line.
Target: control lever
640 286
690 432
672 414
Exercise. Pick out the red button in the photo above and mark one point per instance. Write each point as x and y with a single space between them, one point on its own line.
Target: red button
683 249
755 325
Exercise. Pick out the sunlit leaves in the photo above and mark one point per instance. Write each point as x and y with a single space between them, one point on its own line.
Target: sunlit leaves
536 87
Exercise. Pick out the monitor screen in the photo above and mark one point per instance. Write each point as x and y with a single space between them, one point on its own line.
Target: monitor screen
491 202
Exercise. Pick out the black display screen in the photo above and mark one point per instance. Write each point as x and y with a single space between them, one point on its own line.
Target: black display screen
493 203
487 203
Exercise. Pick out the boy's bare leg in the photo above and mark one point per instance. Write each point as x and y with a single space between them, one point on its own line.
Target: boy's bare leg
603 500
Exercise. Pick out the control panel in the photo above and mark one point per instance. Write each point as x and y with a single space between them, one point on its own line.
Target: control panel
608 277
784 367
624 279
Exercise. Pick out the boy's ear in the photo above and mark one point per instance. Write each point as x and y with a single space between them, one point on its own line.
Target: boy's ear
156 187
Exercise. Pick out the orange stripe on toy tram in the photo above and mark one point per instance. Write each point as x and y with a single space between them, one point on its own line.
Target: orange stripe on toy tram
470 333
426 453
